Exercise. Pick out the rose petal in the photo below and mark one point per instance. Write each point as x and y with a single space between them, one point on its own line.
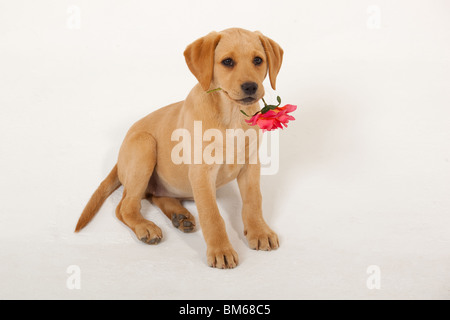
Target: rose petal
290 107
273 119
265 124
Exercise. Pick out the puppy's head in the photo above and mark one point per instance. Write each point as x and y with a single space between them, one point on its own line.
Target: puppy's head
235 60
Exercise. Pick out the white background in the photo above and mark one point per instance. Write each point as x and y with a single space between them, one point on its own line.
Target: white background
364 174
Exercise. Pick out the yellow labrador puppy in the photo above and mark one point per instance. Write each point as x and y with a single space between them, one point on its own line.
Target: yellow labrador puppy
237 61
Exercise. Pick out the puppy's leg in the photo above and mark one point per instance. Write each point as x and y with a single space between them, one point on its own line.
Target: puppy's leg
258 233
220 253
181 218
137 159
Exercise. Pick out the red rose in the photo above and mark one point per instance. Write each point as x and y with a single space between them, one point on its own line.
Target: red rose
273 118
270 117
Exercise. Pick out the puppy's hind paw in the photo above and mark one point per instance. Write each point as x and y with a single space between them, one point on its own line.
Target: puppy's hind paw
148 232
183 222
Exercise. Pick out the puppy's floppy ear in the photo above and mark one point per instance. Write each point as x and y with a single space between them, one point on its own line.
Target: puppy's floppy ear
200 58
274 55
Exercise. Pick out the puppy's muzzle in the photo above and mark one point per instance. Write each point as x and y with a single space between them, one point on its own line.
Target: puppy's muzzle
249 88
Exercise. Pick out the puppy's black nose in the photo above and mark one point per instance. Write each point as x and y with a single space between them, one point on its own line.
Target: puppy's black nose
249 88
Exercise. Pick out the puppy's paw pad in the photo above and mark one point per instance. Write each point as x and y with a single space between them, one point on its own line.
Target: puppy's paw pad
184 222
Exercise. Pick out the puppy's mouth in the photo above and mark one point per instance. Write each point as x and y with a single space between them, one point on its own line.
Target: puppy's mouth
246 101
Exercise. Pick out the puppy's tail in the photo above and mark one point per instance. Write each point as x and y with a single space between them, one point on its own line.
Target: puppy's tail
108 186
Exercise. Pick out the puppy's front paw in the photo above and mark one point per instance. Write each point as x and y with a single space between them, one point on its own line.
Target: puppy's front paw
222 258
262 239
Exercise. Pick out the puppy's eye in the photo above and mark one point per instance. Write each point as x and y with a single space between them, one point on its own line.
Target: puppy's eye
257 61
228 62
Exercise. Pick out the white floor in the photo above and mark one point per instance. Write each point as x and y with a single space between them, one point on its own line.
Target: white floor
364 177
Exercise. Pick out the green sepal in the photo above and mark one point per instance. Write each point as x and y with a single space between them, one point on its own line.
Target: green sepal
244 113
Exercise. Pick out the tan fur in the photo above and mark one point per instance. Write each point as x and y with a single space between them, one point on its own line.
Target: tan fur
145 167
108 186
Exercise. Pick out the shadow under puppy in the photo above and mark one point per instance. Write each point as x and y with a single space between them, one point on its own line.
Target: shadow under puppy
237 61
